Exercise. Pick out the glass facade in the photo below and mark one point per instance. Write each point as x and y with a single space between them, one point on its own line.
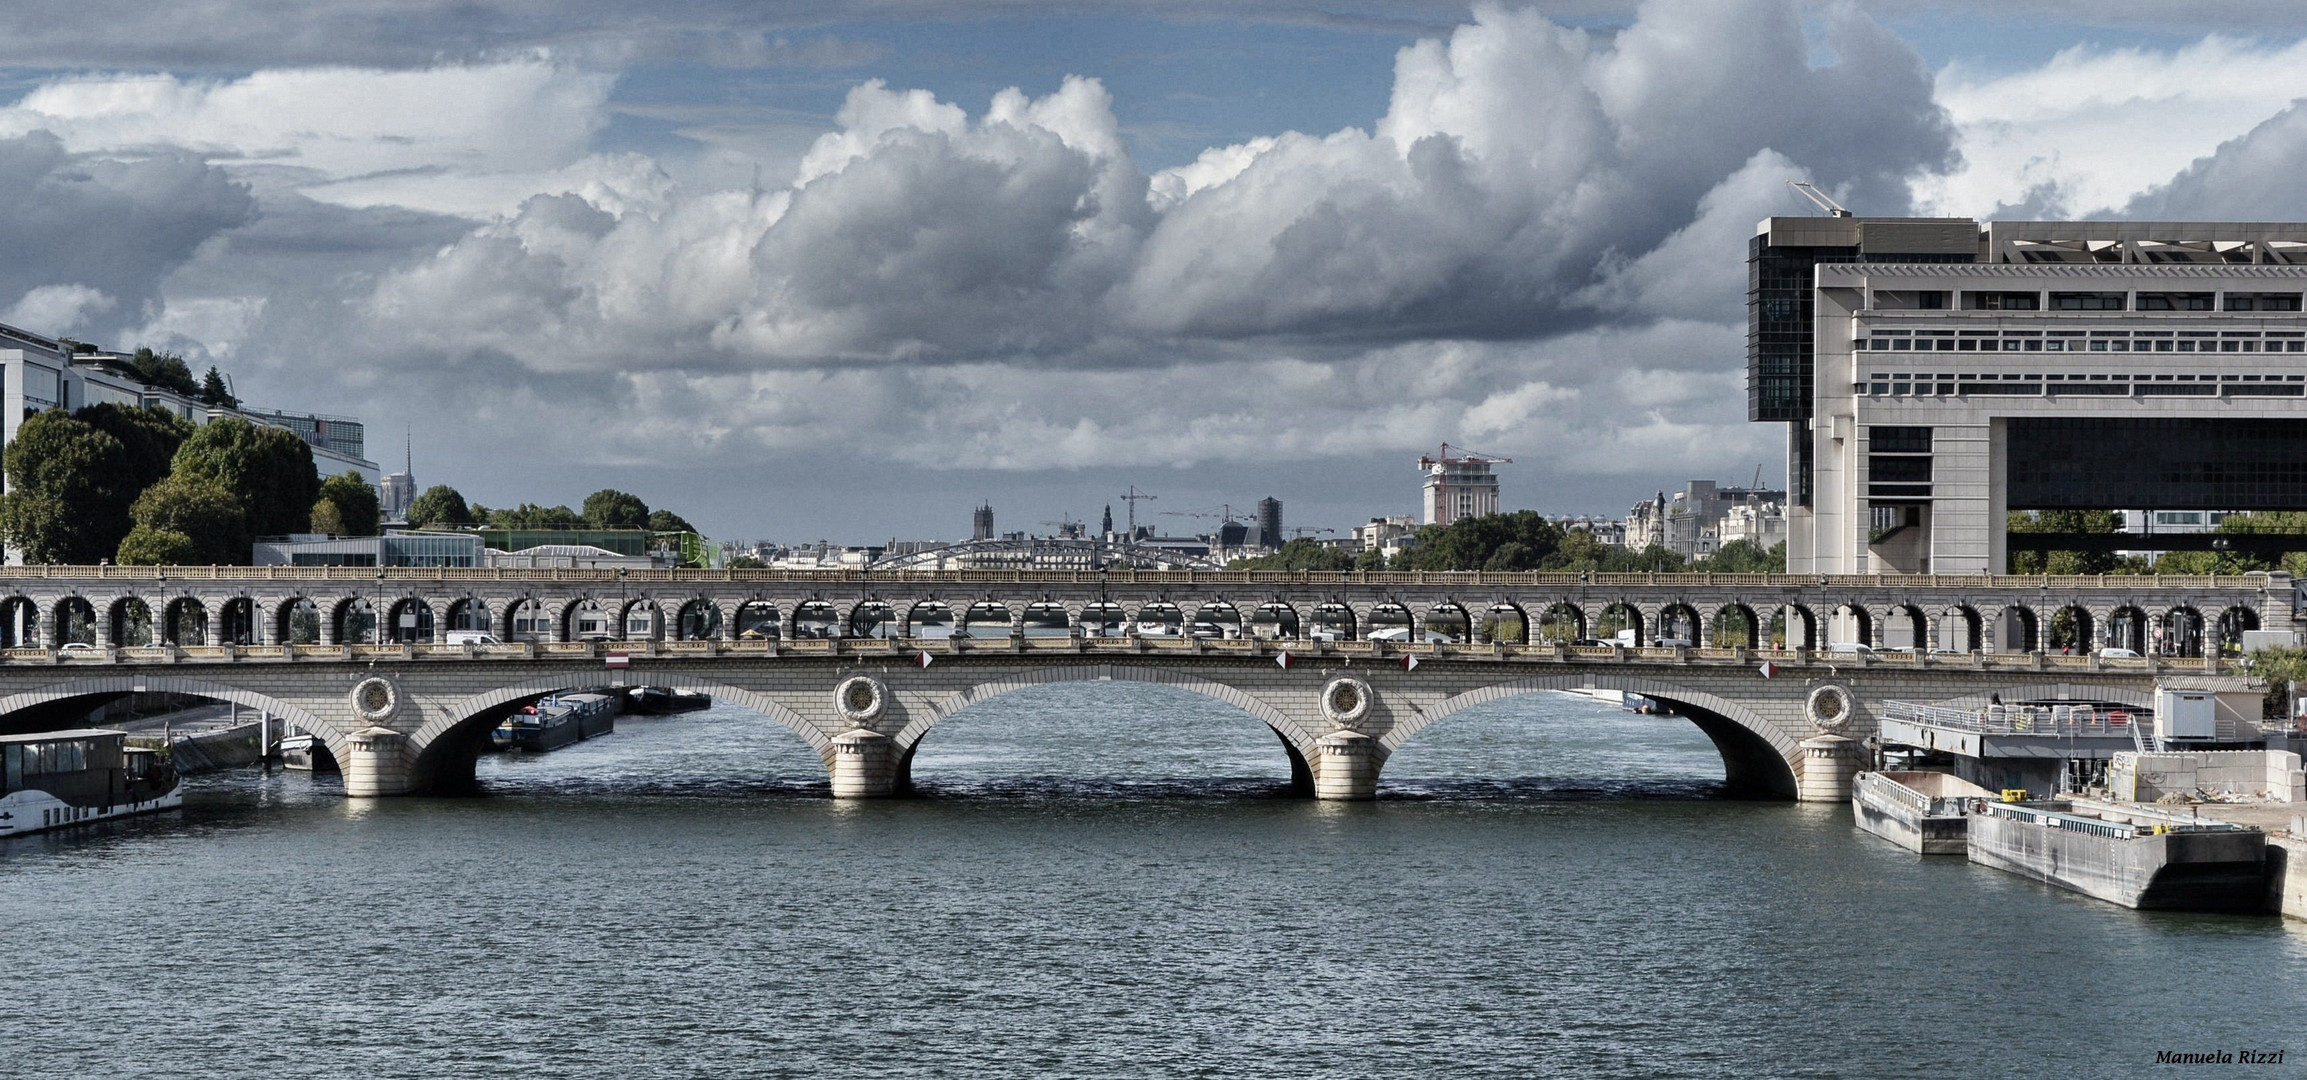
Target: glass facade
2180 463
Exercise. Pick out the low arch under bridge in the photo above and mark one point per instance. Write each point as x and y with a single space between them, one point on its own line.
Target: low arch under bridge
411 717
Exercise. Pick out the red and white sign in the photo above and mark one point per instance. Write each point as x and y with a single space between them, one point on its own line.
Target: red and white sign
1769 670
922 659
1283 659
620 660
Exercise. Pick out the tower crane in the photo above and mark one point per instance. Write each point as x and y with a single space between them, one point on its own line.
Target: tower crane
1133 498
1067 527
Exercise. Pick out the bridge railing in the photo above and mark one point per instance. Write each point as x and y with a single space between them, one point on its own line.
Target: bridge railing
2019 719
1163 578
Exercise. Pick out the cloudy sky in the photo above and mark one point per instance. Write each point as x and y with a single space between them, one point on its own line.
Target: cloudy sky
806 270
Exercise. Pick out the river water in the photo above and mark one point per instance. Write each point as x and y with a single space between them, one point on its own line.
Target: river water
1098 879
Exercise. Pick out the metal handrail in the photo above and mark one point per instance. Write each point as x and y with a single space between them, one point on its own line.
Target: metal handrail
2019 719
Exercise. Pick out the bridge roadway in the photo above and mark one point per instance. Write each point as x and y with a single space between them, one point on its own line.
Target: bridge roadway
411 715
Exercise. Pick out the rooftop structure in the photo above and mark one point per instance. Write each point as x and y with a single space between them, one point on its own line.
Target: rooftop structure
1460 486
1935 374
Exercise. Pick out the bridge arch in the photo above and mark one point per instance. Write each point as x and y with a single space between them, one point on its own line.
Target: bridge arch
1734 625
1621 616
1296 736
19 623
184 622
338 744
131 622
1275 620
1506 623
1449 619
433 744
1756 754
1563 622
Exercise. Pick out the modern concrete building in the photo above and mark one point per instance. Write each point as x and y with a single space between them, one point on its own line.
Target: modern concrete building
391 549
1461 486
1935 374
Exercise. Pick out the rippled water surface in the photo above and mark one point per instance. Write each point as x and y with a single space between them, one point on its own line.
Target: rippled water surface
1096 880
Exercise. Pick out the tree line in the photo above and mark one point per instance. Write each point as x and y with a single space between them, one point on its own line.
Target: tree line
144 485
1521 540
444 507
2170 562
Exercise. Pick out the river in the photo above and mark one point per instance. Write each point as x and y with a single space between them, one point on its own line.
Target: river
1098 879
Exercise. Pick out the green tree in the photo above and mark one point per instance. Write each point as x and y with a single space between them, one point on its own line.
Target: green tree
440 505
668 521
609 508
156 547
2062 521
1517 541
268 470
532 516
214 392
1746 557
355 503
1299 554
746 562
186 520
1372 559
65 500
167 371
149 436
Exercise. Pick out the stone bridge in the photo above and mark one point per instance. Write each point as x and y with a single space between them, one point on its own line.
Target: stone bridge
864 666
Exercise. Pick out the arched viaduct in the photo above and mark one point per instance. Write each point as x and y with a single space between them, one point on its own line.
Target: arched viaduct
410 718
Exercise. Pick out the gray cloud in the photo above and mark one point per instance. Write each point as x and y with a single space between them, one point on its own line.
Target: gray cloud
2251 178
112 226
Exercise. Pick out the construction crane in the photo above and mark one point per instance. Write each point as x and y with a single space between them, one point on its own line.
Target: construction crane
1133 498
1810 191
1067 527
1466 457
1224 512
1296 531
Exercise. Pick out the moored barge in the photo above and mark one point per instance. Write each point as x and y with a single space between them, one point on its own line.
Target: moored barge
2136 858
557 721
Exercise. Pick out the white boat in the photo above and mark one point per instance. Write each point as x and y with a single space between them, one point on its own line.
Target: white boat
53 779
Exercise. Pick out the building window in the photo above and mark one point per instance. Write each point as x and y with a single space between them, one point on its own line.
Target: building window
2086 301
2175 301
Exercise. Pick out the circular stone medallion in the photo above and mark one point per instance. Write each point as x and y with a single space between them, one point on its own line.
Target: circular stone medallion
1830 707
375 699
859 699
1346 700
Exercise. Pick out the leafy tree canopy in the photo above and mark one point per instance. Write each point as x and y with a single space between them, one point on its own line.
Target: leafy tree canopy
268 470
609 508
355 503
439 505
66 502
1746 557
187 520
668 521
1299 554
532 516
150 437
2062 521
167 371
745 562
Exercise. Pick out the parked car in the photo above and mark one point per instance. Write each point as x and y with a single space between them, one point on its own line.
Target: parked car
2119 654
1850 647
77 646
1404 633
1672 643
470 637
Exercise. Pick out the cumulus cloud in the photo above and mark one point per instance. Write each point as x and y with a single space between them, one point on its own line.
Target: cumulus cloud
2091 129
2254 177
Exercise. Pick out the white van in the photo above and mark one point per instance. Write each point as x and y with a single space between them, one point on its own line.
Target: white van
470 637
1852 647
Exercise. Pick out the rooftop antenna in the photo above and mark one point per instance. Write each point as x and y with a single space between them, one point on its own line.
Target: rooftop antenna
1810 191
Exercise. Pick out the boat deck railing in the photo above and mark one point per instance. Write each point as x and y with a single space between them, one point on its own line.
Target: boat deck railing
2115 830
2059 720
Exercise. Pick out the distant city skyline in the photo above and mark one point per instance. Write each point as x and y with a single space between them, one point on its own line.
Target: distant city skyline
796 276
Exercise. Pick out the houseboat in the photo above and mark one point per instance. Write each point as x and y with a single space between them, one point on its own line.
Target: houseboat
58 778
2134 857
1927 813
557 721
305 753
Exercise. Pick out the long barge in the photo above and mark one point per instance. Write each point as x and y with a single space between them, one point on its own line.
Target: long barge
54 779
2136 858
557 721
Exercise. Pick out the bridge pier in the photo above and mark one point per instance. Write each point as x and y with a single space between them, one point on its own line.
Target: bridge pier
1349 766
378 764
1829 762
864 765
